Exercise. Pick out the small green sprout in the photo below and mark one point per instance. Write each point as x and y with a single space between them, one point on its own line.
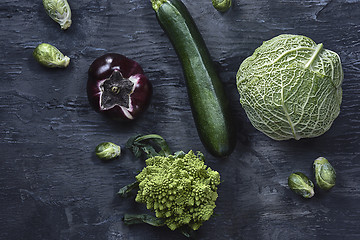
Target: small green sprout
301 185
59 11
107 151
50 56
325 174
222 5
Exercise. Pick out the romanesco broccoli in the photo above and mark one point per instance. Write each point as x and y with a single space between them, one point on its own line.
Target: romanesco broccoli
180 188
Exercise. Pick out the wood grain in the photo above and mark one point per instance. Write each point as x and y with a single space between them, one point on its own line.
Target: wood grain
53 187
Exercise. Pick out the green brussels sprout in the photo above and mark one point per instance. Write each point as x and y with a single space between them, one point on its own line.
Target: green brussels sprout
301 184
222 5
325 174
59 11
50 56
107 151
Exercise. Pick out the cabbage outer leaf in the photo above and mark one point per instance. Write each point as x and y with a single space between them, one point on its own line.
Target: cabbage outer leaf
291 87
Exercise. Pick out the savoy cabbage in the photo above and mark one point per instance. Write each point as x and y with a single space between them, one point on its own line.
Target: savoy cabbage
291 87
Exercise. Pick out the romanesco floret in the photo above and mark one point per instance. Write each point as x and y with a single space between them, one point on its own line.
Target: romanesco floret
181 189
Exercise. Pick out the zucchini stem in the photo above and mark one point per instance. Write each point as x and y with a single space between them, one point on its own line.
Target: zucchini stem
157 3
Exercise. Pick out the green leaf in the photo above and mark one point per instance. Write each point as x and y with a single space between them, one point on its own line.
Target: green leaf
130 219
148 145
125 191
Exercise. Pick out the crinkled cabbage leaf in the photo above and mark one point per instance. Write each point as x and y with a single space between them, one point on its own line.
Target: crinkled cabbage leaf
291 87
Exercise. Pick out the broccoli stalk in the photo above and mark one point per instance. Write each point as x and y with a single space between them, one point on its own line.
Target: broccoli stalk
179 188
126 190
130 219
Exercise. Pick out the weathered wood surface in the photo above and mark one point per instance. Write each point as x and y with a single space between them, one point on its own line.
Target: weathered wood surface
53 187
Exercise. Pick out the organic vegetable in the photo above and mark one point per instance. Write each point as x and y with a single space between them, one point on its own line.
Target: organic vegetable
325 174
149 145
107 151
209 104
59 11
50 56
180 188
117 87
143 218
222 5
301 184
291 87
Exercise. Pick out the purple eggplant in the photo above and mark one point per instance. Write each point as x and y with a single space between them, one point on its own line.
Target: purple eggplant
117 87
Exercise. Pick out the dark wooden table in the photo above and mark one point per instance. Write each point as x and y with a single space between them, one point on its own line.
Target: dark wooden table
53 187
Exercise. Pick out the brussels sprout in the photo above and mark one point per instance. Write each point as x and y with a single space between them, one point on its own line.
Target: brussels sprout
107 151
325 174
291 87
59 11
222 5
301 184
50 56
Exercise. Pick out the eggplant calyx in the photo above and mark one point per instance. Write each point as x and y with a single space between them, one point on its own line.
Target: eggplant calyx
116 90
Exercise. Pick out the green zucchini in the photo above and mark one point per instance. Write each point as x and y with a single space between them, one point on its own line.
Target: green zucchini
209 103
